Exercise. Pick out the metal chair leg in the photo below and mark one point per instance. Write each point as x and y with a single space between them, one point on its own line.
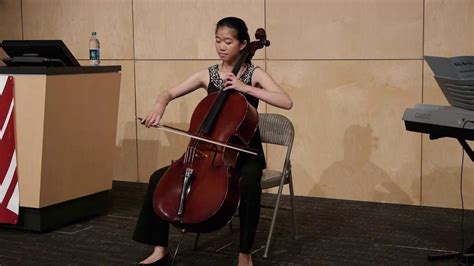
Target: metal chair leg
223 247
275 211
196 241
255 251
292 205
231 227
231 230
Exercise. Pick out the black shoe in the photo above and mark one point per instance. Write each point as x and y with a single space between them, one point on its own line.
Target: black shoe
164 261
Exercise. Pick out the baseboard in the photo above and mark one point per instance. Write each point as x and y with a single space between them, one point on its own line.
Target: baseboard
57 215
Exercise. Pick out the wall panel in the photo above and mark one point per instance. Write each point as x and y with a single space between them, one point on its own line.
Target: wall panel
350 140
185 29
10 20
449 27
341 29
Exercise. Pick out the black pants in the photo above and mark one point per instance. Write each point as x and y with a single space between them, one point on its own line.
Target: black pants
151 229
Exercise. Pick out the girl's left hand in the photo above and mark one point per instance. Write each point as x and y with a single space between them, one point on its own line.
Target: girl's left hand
232 82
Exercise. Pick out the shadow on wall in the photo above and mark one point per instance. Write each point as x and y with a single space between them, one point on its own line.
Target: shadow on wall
356 177
125 167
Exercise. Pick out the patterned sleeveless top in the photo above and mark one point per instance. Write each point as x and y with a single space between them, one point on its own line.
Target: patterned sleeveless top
217 84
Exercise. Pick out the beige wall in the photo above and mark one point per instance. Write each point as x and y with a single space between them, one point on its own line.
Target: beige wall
352 67
10 19
10 22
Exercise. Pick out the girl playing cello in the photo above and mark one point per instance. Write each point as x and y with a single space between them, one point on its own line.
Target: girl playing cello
231 37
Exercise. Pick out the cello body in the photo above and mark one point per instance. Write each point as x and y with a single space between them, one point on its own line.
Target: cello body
212 194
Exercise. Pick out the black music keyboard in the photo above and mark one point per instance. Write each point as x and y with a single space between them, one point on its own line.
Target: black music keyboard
440 121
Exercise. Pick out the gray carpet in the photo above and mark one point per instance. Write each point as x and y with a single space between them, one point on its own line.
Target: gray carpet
331 232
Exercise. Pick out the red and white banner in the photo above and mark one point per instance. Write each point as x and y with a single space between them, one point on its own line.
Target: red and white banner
9 195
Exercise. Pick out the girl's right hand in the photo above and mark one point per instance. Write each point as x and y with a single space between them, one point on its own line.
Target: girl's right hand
154 116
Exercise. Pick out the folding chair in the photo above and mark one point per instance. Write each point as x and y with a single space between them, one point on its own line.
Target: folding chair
277 129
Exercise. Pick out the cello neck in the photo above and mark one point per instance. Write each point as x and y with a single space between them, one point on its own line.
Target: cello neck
242 57
214 111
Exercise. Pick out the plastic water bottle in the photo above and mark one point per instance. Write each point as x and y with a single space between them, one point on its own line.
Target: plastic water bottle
94 50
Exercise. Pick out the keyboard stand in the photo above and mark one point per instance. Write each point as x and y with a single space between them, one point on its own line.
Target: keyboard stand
461 141
466 258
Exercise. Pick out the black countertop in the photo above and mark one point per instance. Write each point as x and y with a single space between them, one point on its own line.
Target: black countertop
59 70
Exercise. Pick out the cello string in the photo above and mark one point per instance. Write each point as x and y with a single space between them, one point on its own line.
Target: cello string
186 154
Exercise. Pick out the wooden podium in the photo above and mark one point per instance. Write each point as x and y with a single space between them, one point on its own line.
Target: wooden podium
66 121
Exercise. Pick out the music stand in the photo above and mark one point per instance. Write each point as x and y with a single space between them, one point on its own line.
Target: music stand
455 77
48 53
458 67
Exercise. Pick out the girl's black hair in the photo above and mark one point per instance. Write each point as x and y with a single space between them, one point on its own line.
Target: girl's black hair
239 26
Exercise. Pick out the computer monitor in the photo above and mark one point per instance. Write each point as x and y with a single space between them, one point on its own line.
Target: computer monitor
51 53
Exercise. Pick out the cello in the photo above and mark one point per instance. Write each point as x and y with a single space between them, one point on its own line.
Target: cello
200 191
